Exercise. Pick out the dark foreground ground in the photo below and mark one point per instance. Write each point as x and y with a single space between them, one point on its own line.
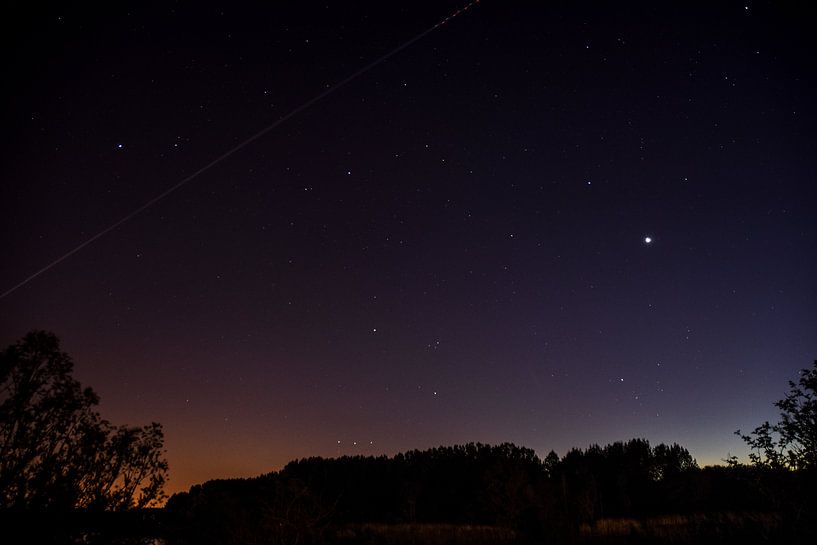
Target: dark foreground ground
153 527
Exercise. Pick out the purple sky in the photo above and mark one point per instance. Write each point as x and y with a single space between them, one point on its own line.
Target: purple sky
450 248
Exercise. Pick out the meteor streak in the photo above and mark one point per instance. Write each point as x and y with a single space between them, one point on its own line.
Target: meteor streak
239 146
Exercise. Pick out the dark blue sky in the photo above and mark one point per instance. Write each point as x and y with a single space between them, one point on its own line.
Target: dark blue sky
450 248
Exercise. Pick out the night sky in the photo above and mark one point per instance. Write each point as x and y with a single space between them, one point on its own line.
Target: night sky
554 224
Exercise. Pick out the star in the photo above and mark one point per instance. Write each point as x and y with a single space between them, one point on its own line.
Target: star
647 240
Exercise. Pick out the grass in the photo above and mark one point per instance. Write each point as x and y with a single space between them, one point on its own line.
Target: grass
748 527
424 534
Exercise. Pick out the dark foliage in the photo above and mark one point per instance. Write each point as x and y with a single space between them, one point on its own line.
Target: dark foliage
792 442
64 466
496 486
56 452
318 500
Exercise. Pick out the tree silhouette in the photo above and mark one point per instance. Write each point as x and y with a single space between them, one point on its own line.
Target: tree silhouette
56 452
792 442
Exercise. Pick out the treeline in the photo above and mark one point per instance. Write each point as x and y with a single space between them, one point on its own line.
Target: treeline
67 475
498 486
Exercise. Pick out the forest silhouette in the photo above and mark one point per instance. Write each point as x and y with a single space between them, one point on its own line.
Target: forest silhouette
69 476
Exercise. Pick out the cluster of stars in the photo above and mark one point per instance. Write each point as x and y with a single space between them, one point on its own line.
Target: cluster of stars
447 222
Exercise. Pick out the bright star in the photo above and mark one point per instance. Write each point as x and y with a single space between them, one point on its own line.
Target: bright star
647 240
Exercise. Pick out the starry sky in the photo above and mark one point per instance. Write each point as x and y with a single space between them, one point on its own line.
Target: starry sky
551 223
